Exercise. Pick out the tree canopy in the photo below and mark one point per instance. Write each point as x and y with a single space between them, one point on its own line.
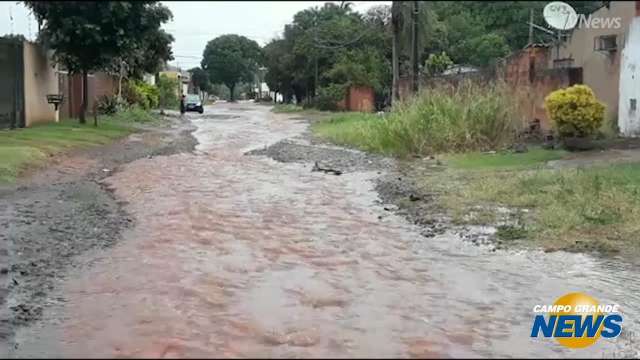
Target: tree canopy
346 46
353 48
230 59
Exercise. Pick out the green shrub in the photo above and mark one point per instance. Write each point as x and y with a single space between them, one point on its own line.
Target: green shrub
168 92
141 94
438 120
575 111
328 97
436 64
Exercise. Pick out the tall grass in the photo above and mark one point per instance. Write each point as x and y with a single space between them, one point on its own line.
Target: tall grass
442 119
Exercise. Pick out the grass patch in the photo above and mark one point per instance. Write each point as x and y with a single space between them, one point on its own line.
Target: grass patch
21 148
348 129
471 117
504 160
572 209
287 108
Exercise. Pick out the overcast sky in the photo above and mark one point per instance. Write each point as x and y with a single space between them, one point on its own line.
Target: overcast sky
196 22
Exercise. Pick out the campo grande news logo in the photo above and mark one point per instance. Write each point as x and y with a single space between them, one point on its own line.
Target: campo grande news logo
577 320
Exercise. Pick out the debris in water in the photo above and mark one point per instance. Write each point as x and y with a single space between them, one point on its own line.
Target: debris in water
317 167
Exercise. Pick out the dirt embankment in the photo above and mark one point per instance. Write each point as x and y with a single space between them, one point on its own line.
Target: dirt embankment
56 213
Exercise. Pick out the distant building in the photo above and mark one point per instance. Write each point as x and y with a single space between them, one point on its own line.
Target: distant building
185 86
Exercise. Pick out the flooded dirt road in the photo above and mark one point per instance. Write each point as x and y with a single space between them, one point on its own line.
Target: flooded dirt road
236 255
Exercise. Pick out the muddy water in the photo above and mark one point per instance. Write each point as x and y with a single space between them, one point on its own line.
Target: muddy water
241 256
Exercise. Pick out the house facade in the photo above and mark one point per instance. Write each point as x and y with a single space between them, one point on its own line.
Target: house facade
597 50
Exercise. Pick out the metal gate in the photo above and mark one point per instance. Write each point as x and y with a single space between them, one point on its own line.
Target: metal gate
11 84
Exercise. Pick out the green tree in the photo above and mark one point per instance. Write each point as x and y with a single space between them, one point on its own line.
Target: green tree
90 36
319 38
200 80
230 59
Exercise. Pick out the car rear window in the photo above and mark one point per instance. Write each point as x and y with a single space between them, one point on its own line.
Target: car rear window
193 98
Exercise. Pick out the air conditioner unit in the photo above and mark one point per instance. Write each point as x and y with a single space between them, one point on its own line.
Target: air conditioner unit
605 43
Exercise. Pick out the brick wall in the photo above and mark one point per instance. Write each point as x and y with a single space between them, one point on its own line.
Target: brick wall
358 98
527 74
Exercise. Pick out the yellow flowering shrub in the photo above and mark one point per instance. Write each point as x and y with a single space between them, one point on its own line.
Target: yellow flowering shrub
575 111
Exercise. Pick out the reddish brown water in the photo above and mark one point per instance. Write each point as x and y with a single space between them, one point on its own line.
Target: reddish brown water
241 256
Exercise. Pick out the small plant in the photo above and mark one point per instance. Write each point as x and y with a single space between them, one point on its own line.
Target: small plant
109 105
575 111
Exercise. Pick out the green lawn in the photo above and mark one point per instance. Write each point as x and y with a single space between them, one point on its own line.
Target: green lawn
21 148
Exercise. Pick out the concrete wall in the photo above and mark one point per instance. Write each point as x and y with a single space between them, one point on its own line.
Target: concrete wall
600 69
40 79
628 109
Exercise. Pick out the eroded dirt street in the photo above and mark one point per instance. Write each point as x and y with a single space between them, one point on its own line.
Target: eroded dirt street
236 255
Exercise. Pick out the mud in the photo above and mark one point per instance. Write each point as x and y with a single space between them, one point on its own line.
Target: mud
53 215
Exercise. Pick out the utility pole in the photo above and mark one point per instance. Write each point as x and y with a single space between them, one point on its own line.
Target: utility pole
315 54
414 48
396 25
530 26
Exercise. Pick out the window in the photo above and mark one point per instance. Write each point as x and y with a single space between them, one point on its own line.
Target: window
605 43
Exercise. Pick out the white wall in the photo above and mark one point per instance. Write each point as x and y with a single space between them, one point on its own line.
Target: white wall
628 118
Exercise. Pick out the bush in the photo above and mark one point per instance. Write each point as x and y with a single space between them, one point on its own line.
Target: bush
471 117
142 94
168 92
328 97
575 111
109 105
